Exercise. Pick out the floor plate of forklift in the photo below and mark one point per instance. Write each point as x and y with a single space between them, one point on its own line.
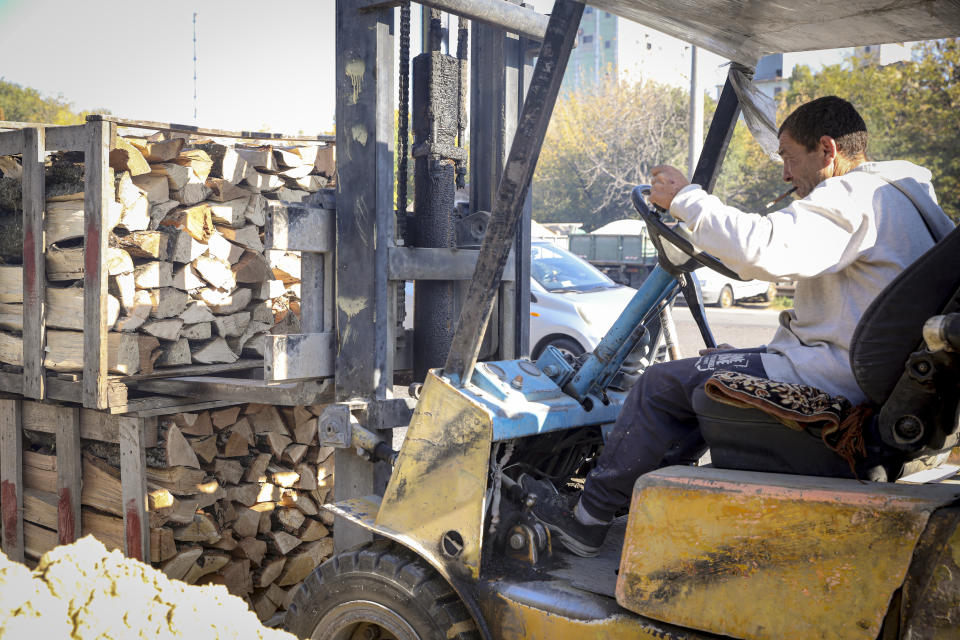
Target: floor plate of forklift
596 575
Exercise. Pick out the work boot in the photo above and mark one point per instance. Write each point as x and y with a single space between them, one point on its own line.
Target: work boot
556 512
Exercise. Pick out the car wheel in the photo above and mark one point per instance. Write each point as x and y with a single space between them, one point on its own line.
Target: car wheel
568 346
725 299
771 294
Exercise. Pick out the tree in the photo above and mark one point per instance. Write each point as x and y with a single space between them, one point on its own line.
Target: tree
910 109
602 141
25 104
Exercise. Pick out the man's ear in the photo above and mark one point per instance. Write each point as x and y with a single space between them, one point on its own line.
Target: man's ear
828 150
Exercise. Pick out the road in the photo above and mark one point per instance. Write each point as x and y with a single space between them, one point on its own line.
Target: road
740 326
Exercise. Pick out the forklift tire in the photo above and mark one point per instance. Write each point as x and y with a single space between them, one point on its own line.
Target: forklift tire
379 590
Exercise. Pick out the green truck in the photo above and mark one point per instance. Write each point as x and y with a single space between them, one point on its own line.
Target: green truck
626 259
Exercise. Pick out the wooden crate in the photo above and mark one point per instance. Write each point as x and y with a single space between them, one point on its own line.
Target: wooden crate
95 387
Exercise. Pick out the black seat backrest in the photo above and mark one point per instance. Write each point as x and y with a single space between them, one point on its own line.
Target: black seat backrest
891 327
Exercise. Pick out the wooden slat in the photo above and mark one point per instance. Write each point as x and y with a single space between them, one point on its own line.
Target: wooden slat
297 356
11 478
11 142
96 203
69 474
304 392
63 390
34 271
133 480
67 138
298 227
94 425
189 370
221 133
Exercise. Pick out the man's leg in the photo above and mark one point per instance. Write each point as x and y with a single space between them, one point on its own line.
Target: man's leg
657 419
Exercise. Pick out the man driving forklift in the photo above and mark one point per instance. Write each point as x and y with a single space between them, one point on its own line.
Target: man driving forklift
855 225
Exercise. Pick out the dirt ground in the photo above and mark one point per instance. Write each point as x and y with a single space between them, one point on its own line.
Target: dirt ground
82 591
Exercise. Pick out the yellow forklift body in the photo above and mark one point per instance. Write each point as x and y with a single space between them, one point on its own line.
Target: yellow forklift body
439 483
759 555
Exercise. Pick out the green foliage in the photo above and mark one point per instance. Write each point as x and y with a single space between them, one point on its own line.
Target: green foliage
911 113
24 104
602 140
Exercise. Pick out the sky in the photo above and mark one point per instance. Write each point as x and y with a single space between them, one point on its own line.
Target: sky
261 65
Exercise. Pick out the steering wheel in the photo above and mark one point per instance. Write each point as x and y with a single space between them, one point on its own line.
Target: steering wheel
675 251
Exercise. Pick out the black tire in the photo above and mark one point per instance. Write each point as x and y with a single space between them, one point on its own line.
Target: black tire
726 300
381 585
567 345
770 295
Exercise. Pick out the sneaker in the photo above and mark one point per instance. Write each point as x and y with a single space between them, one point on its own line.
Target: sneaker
556 513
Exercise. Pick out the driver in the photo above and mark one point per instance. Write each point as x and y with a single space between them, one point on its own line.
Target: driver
845 237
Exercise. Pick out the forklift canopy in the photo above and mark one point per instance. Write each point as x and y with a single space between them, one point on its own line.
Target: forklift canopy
745 30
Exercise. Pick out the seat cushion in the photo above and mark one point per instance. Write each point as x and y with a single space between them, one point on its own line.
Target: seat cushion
751 440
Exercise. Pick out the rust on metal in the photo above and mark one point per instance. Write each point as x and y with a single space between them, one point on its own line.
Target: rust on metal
132 531
65 521
8 511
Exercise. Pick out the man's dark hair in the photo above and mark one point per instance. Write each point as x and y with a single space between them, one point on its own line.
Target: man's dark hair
828 116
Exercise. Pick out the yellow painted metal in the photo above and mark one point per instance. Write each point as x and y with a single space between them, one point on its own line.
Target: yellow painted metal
754 555
440 479
510 619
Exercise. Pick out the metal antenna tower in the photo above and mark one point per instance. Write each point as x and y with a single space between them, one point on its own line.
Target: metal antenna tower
195 66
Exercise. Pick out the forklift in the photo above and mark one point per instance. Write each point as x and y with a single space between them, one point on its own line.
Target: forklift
776 538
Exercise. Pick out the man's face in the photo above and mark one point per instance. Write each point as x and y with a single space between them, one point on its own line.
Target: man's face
803 168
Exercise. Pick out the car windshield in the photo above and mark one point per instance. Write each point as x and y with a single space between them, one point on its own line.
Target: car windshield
558 270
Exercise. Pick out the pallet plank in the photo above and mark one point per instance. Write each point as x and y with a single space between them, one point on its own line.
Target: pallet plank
11 478
69 474
34 263
96 204
133 481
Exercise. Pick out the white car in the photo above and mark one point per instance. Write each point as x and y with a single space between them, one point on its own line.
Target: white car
724 292
572 304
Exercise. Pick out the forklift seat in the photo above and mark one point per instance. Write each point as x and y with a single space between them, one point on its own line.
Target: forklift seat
887 334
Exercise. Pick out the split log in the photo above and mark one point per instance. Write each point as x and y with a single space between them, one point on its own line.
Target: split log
192 193
289 519
232 325
260 182
178 449
236 577
159 211
314 530
65 221
307 558
277 442
285 194
219 247
196 312
307 477
123 287
215 271
185 278
180 481
270 571
207 563
270 289
194 424
247 524
253 548
199 331
227 163
311 183
256 471
245 494
159 151
178 566
176 354
224 303
202 529
206 449
224 191
239 432
269 494
258 157
326 163
301 500
195 220
263 606
156 187
228 471
126 157
167 302
64 310
197 160
223 418
137 313
281 542
144 244
150 352
215 351
65 351
252 268
255 212
286 266
153 274
68 264
305 431
177 175
247 236
294 453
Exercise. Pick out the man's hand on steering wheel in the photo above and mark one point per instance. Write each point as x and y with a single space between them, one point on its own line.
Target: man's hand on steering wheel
667 182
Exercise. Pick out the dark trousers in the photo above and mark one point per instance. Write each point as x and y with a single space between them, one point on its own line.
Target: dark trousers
657 426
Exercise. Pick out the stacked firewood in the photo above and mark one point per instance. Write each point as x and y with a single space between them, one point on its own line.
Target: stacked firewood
190 281
234 499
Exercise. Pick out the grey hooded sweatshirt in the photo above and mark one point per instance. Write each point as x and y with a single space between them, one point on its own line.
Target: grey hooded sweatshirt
842 244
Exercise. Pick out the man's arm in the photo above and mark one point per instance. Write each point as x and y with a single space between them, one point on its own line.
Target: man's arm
825 231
